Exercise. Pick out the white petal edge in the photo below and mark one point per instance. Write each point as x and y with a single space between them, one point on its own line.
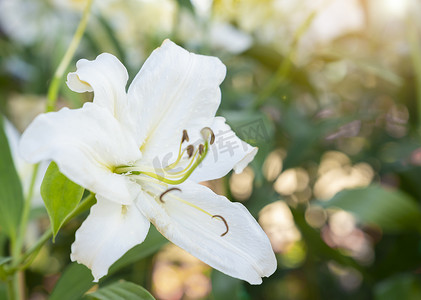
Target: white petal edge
244 252
107 78
174 90
85 143
226 153
109 231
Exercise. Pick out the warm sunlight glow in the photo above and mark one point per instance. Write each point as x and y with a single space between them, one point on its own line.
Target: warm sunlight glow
395 7
273 164
242 184
277 221
291 181
177 273
336 173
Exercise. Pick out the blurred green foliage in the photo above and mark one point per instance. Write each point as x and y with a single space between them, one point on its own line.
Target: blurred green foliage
11 197
289 89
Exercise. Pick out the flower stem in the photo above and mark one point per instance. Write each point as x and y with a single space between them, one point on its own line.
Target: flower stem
58 75
13 288
285 67
84 205
17 278
25 214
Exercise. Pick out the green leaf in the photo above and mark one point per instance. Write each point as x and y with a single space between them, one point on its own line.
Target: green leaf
3 291
3 244
392 210
225 287
3 274
153 242
186 4
61 196
399 287
75 281
11 196
121 290
4 260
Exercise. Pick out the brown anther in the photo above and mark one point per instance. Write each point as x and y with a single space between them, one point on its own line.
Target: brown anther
223 220
201 148
190 150
167 191
185 136
212 135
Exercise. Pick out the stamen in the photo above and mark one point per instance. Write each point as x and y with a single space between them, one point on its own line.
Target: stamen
186 168
184 173
190 150
209 132
185 136
123 209
223 220
168 174
144 178
201 148
167 191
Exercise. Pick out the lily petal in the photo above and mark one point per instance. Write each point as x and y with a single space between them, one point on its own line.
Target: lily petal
109 231
174 90
86 144
226 153
107 78
185 218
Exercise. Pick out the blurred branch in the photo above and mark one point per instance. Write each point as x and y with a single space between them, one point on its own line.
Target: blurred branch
58 75
25 213
285 67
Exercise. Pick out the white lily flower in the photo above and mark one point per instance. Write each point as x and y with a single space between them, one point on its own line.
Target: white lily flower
132 150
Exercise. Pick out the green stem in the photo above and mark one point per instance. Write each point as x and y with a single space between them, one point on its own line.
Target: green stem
25 213
285 67
13 288
17 278
83 206
58 75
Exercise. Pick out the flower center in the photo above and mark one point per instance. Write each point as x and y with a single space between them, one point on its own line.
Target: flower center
172 174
